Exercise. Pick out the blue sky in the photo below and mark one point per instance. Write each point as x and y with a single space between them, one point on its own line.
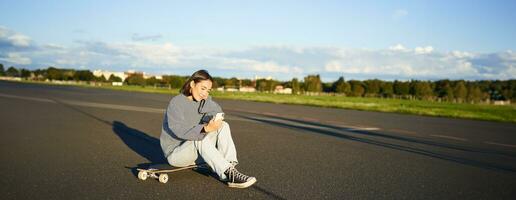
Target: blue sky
283 39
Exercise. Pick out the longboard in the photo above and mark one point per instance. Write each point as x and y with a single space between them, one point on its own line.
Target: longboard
160 171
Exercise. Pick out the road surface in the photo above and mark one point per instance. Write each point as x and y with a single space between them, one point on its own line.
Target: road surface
62 142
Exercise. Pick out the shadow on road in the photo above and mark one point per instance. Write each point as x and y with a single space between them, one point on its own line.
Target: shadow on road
343 133
140 142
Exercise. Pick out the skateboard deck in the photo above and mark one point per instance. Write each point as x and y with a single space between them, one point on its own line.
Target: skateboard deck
160 171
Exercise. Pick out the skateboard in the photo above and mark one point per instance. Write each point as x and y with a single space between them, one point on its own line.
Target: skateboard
160 171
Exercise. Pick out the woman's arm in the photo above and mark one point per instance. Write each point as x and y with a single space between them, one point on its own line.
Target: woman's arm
179 127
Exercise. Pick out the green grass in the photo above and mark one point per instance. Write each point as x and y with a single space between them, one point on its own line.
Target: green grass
506 113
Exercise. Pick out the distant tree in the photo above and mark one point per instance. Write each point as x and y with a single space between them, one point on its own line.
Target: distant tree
386 89
313 83
54 74
511 90
327 87
357 88
401 88
271 85
447 93
135 79
25 73
341 86
246 83
13 72
474 93
296 87
444 90
83 75
494 89
218 82
40 74
70 74
372 87
2 70
174 81
261 85
101 78
422 90
151 81
460 92
113 78
232 83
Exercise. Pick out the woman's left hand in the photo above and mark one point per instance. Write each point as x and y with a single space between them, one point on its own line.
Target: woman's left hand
213 125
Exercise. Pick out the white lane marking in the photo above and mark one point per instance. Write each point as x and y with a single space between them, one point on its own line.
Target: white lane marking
404 131
28 98
449 137
364 129
115 107
500 144
91 104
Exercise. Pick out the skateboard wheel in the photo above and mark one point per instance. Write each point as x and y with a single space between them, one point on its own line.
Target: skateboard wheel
163 178
142 175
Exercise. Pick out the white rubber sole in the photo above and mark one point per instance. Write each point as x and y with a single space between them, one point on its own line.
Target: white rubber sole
242 185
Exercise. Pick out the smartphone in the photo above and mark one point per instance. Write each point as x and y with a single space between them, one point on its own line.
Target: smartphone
219 116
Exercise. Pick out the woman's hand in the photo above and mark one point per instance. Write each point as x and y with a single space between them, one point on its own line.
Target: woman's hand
213 125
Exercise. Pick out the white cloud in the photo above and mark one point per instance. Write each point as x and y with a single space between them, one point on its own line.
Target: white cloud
281 61
19 40
462 54
398 47
16 58
423 50
11 39
258 66
147 54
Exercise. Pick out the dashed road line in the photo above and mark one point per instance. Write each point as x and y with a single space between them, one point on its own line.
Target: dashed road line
28 98
501 144
449 137
90 104
403 131
115 107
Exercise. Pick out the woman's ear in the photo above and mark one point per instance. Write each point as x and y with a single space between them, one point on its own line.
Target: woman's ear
192 84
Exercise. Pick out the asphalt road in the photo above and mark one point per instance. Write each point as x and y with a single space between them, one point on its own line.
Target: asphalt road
60 142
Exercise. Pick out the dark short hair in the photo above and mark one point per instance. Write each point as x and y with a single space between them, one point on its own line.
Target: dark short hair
197 76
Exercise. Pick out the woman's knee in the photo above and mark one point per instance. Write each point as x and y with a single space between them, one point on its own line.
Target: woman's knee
181 161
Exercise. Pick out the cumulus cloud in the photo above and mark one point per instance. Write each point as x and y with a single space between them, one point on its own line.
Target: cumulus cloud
10 40
398 47
423 50
16 58
425 63
283 62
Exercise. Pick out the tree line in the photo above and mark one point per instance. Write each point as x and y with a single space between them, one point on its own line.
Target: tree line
439 90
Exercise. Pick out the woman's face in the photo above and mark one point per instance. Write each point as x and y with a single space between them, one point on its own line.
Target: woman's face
200 90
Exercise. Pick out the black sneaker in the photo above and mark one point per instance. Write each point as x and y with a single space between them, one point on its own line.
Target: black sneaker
238 180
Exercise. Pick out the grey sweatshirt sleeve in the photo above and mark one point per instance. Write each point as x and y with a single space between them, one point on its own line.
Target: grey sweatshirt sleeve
180 128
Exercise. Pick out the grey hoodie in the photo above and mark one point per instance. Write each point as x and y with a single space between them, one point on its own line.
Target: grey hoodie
184 120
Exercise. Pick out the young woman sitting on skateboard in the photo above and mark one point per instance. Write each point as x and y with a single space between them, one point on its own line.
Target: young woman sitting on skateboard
191 135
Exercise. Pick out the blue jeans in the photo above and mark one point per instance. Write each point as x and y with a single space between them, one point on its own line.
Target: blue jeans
216 149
